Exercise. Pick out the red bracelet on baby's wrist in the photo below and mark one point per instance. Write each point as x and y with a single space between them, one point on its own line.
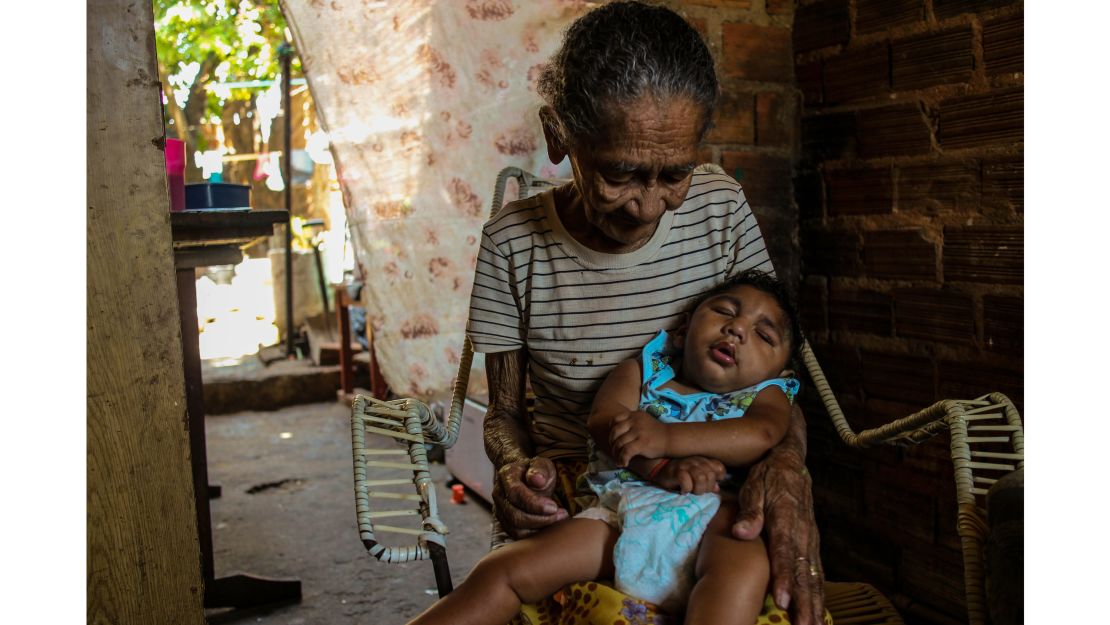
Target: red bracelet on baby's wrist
658 467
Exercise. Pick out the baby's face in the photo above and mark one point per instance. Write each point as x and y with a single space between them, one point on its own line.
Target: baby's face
735 339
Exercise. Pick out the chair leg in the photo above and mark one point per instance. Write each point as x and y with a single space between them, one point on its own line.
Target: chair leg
442 570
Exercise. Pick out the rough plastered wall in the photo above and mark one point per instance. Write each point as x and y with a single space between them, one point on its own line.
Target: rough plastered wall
910 194
425 102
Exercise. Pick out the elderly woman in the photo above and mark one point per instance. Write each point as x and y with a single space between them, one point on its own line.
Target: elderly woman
575 280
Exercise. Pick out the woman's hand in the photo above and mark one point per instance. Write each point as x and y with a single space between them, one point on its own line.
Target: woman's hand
522 497
693 474
636 433
778 494
522 484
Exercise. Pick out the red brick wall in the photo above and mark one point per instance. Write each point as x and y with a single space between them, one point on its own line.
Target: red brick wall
755 133
909 184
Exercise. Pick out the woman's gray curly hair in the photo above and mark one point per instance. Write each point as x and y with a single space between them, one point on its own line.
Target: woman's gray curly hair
617 53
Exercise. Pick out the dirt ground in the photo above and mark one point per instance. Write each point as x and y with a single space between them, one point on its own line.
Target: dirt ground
287 511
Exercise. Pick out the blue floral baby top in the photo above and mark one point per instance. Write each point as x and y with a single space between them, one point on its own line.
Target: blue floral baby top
672 407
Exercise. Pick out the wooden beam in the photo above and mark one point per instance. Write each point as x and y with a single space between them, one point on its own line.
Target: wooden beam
142 553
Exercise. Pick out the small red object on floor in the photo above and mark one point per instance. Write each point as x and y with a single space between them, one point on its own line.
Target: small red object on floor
458 494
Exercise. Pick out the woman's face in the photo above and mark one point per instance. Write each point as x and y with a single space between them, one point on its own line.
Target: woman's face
639 171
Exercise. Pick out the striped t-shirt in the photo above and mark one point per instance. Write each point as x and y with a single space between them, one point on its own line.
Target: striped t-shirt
580 312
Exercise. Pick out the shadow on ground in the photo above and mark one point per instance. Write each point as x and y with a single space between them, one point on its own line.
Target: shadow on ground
288 512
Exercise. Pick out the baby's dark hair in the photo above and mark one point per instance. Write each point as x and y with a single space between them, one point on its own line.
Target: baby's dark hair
770 285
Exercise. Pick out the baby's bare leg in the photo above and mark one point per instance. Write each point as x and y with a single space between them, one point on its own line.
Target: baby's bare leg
525 572
732 575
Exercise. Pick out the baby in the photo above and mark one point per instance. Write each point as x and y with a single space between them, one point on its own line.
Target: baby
665 425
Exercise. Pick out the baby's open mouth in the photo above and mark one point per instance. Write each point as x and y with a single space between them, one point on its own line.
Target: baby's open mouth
723 352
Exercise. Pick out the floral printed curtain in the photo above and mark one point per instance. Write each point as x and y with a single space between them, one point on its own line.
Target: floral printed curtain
424 102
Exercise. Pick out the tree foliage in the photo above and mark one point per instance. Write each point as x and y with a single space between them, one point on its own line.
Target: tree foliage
201 42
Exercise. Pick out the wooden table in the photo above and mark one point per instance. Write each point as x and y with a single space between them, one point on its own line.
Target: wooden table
200 239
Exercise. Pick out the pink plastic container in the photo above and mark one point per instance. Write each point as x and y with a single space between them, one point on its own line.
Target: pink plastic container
175 173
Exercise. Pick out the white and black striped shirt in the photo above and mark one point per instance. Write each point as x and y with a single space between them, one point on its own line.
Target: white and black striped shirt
579 312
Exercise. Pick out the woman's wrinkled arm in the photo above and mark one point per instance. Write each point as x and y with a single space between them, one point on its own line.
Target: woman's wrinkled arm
778 496
523 484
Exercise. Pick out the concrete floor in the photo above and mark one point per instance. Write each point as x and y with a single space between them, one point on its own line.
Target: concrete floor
299 523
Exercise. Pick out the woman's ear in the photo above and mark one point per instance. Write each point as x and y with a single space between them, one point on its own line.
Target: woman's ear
556 147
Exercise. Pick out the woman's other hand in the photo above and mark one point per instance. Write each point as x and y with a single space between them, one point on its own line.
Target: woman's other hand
522 496
778 494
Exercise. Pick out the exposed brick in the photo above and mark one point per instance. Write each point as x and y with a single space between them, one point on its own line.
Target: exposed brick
756 52
779 7
812 296
767 185
934 315
766 179
992 254
981 120
823 436
900 255
859 191
808 194
821 24
705 154
831 252
898 130
934 576
933 59
1004 324
809 81
734 121
875 15
856 74
728 4
859 310
968 379
837 485
899 377
1004 45
939 186
898 509
852 548
945 9
829 136
700 24
774 119
842 368
1004 184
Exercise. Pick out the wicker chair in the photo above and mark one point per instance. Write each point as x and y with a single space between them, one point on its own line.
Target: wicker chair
986 443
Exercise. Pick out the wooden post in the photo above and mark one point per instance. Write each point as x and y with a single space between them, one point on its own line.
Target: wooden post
346 358
142 554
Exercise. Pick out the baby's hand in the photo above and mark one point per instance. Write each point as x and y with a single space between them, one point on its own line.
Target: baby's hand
637 433
696 474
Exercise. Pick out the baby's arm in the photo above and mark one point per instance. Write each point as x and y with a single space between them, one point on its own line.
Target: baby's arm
616 406
735 442
617 400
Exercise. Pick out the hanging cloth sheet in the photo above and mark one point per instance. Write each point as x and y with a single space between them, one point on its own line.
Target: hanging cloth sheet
424 103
